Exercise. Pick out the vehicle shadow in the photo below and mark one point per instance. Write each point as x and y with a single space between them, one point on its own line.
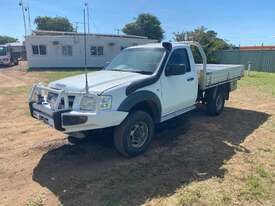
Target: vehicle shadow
190 148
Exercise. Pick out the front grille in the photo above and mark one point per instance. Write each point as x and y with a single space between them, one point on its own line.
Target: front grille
71 102
52 97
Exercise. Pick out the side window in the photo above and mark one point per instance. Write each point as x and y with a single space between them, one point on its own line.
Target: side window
35 50
100 51
43 50
180 56
70 51
93 51
67 50
64 50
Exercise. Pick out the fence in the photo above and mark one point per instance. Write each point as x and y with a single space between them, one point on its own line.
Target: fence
261 60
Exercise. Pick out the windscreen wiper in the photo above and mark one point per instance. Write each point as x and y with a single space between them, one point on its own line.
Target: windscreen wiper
142 72
135 71
118 70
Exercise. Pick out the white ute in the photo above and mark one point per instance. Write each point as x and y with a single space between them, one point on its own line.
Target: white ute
143 86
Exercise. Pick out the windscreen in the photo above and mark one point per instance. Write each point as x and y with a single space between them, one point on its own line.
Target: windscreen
139 60
3 51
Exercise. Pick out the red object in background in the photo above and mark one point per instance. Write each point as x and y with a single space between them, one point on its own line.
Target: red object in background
256 48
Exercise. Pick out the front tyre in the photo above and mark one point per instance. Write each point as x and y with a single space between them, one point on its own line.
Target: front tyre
133 136
74 140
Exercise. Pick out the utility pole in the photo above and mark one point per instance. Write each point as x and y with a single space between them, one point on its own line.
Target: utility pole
88 16
27 9
76 27
76 23
117 31
24 18
186 37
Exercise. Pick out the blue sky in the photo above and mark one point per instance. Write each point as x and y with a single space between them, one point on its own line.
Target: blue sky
245 22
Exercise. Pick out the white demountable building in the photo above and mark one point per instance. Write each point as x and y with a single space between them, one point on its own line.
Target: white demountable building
51 49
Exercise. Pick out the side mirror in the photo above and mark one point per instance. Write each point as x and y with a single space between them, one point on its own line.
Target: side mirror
175 69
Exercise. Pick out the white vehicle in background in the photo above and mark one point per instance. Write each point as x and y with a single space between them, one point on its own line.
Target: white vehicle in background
7 56
143 86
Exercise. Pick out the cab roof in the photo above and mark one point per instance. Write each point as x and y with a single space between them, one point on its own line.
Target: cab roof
160 45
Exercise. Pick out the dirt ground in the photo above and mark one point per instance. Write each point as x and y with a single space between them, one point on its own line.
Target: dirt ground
214 153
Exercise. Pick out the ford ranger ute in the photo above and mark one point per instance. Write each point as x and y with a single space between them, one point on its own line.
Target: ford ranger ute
143 86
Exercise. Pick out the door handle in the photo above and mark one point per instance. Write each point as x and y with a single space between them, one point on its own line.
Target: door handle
190 79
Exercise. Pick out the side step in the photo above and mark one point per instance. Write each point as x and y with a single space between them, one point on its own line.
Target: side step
177 113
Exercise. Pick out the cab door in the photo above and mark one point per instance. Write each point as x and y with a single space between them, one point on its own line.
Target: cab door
179 83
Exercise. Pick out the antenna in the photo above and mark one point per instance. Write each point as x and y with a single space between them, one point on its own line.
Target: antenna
88 16
85 52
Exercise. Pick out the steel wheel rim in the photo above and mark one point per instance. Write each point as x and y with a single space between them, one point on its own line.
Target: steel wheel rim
139 134
219 102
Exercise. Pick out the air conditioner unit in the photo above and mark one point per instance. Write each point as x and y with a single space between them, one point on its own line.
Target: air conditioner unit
55 42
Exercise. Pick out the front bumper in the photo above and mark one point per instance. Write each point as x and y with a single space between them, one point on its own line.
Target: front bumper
51 118
4 63
69 119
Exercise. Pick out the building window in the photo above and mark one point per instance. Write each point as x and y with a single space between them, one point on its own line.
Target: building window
35 50
39 50
100 51
42 50
93 51
67 50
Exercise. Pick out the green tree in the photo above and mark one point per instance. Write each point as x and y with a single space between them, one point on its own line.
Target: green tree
208 39
7 39
145 25
53 23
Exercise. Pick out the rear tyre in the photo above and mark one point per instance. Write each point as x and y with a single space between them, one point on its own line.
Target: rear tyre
215 102
133 136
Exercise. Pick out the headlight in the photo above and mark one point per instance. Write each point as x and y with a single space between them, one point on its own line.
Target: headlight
39 96
105 102
88 103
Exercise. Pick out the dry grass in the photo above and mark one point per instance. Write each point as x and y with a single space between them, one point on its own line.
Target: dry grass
35 202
